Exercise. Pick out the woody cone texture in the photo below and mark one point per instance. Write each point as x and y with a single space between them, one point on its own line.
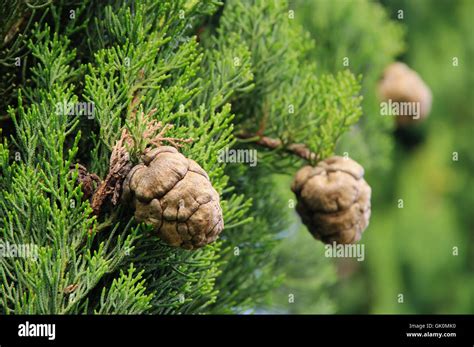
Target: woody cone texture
402 84
174 195
333 200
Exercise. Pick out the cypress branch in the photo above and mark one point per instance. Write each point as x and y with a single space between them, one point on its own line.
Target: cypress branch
299 149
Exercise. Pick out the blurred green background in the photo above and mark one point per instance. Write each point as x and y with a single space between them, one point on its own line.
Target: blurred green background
424 250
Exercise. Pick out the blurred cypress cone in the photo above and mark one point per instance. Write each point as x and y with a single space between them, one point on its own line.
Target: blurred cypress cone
333 199
402 84
174 194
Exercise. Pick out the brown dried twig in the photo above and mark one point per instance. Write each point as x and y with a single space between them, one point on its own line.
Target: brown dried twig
89 181
154 133
119 167
120 162
299 149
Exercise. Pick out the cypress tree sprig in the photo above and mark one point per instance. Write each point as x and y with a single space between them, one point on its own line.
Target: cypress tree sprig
242 75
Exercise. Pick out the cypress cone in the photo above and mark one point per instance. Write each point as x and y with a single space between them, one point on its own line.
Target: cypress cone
333 199
402 84
174 195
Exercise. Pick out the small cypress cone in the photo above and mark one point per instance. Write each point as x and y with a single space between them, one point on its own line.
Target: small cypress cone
333 199
402 84
174 195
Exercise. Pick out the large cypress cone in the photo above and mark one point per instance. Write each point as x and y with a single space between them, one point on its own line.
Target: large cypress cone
174 195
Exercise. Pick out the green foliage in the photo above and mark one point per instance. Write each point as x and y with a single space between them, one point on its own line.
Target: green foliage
357 35
42 205
181 281
417 257
308 276
289 100
323 107
141 61
19 17
116 299
13 42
